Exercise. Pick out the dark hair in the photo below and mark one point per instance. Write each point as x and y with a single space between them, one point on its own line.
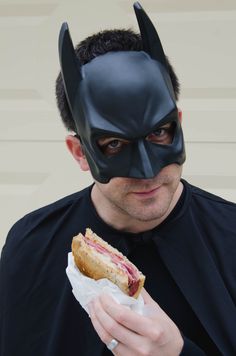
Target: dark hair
96 45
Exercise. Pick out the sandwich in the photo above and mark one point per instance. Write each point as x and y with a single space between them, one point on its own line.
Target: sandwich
96 259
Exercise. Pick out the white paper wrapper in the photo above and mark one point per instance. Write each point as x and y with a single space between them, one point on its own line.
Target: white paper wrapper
85 289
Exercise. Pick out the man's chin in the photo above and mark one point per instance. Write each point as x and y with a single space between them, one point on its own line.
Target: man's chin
146 214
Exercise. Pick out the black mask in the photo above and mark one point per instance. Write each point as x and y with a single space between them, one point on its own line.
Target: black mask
126 95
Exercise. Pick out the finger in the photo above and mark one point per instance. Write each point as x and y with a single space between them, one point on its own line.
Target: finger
124 316
102 333
120 349
113 328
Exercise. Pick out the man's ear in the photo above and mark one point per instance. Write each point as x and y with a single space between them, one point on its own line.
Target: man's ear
180 113
74 145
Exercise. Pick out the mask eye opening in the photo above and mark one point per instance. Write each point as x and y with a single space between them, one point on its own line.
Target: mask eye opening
111 146
163 134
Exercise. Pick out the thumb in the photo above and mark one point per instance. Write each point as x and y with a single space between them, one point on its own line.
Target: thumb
151 308
147 298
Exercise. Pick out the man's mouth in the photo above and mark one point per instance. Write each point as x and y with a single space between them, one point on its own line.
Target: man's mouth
147 193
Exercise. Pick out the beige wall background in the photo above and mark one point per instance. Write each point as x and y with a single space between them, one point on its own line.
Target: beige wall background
199 37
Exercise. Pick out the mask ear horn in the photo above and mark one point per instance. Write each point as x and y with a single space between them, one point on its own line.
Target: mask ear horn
150 39
70 66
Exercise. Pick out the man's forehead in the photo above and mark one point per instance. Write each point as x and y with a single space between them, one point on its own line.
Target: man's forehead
131 72
133 129
125 91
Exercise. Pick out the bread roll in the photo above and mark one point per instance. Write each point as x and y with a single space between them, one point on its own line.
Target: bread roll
97 259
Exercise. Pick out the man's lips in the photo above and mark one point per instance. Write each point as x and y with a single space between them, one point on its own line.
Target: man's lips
146 193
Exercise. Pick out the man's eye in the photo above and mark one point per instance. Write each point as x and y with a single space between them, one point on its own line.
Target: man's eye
159 132
111 147
162 136
114 144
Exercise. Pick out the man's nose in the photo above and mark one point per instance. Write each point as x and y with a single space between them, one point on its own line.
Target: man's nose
141 165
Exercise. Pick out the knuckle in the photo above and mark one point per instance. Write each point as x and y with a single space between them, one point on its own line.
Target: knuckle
156 334
121 317
111 327
103 337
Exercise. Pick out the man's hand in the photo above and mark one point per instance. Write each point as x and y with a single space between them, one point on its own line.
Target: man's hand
154 334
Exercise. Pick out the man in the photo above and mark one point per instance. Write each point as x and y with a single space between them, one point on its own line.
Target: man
117 93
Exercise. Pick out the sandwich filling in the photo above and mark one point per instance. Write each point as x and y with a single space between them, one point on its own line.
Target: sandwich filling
128 268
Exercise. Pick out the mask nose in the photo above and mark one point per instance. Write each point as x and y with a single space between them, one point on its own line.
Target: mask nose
141 165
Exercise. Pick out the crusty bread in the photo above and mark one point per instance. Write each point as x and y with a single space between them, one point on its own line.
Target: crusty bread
95 265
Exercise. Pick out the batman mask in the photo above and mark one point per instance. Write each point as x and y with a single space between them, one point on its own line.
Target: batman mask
126 95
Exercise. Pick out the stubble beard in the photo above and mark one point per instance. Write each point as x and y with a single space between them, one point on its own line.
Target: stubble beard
144 210
120 207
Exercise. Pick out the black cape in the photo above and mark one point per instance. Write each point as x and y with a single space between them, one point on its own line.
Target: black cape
189 261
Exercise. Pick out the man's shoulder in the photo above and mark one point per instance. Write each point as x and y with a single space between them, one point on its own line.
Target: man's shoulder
203 196
211 208
59 205
45 218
